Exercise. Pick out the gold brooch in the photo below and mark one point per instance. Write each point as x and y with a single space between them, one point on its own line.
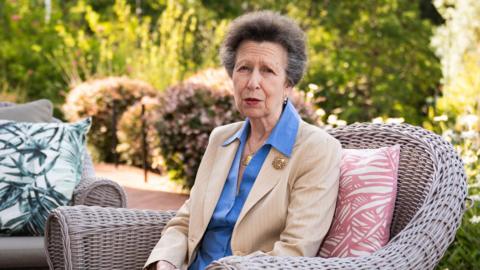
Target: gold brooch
279 162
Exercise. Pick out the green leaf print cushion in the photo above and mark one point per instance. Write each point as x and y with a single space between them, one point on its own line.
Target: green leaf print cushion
40 165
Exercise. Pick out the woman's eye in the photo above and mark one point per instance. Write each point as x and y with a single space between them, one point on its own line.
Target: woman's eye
243 68
268 70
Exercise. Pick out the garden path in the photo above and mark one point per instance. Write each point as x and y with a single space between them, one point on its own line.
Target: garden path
157 194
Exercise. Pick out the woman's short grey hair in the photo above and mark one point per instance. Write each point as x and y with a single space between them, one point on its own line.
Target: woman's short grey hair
267 26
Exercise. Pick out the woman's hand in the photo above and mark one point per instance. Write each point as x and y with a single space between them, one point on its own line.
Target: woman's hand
164 265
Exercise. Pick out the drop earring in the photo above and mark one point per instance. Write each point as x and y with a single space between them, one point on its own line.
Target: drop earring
285 100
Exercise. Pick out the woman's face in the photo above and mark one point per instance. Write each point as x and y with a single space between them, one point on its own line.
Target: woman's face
259 80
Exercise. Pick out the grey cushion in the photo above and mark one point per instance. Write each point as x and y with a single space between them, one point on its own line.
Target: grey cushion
36 111
22 252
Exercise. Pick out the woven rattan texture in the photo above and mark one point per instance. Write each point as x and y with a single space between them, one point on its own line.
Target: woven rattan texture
430 204
99 191
102 238
416 164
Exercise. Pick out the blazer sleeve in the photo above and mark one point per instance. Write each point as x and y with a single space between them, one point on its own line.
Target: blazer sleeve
312 200
173 244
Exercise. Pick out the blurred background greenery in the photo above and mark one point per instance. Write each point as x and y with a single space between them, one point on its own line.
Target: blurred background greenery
383 61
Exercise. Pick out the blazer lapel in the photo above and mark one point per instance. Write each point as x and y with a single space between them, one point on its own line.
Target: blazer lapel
267 178
223 161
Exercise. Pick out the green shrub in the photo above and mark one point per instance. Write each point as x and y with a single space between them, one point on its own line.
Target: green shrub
459 105
160 42
465 136
129 135
187 115
464 253
96 98
190 111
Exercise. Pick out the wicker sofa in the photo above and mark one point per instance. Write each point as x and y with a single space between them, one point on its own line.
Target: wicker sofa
429 206
23 252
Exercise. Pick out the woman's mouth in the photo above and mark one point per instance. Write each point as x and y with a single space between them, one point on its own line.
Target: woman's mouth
252 101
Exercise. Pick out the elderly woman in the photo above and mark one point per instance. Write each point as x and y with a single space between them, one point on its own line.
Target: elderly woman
265 185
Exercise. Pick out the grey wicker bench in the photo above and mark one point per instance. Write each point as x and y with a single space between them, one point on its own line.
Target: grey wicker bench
429 206
24 252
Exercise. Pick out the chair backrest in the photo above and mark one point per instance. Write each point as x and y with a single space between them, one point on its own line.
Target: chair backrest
416 167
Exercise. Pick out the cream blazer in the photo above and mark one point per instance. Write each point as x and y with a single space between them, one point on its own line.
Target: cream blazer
287 212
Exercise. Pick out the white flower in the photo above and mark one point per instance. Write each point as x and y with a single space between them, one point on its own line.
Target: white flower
475 198
475 219
395 120
377 120
332 119
440 118
469 159
320 112
469 134
469 119
341 123
313 86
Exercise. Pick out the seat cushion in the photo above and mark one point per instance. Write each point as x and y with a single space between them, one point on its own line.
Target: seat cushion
365 203
22 251
40 165
36 111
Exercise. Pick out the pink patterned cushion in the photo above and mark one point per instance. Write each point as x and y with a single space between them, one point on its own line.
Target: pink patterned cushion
366 198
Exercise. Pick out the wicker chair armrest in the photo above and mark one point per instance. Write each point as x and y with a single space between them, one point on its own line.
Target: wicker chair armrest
91 237
392 257
253 262
99 191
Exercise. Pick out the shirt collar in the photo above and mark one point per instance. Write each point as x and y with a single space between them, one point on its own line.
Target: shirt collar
241 134
285 131
283 134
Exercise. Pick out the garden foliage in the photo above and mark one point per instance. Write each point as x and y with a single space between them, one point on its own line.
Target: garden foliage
26 36
186 116
130 140
456 44
158 49
98 98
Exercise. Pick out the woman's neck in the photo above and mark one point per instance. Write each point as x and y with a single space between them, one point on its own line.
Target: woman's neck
261 128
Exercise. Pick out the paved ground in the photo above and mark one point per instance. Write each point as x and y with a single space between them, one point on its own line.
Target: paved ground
157 194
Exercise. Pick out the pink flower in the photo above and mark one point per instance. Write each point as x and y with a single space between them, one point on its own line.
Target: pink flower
16 17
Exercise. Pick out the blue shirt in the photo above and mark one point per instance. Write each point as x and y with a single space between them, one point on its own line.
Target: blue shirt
216 240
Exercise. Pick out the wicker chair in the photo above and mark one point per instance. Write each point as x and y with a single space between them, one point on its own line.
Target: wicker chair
429 206
24 252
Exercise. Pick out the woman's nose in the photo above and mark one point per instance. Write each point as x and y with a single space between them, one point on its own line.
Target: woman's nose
254 80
